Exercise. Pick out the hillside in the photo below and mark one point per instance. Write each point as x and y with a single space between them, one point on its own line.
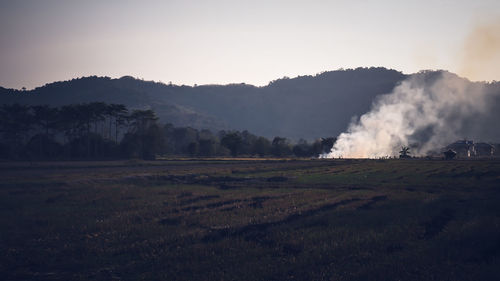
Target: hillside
303 107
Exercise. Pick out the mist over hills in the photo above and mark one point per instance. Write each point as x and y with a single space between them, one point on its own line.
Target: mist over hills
305 107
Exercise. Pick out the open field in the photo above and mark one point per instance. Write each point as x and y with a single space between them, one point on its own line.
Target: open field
250 220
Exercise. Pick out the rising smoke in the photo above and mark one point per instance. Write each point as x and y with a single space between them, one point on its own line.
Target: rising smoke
432 109
426 112
480 55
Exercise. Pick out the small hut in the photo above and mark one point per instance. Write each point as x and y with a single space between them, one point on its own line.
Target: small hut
463 148
449 154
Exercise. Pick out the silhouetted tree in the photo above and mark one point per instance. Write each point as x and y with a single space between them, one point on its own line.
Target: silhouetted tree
317 147
45 118
87 132
261 146
281 147
182 137
153 142
193 148
207 143
327 144
16 121
233 142
247 141
70 122
207 147
42 147
42 144
117 114
405 152
98 111
146 132
302 149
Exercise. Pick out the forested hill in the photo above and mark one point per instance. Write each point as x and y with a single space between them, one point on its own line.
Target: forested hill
303 107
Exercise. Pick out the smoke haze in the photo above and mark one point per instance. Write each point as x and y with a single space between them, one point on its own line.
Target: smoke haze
426 112
432 109
481 53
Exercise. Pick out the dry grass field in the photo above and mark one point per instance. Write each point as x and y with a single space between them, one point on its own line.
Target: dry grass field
250 219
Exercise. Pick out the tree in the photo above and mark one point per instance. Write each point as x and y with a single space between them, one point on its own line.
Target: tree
302 149
233 142
248 140
261 146
405 152
42 147
87 128
153 142
46 119
97 112
281 147
69 121
207 143
117 114
193 148
207 147
147 133
327 144
16 122
142 119
182 137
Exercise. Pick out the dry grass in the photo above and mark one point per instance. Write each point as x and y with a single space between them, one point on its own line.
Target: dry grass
214 219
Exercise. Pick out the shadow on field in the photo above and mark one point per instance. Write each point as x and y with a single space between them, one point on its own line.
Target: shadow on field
258 232
222 182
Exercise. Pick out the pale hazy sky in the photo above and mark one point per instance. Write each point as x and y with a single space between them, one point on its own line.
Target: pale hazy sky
207 42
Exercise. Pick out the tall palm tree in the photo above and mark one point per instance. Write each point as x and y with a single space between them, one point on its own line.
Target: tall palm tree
405 152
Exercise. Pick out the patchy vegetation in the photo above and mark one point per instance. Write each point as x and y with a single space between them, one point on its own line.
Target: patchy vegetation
250 220
99 131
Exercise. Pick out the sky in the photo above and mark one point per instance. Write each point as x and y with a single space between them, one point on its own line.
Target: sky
254 42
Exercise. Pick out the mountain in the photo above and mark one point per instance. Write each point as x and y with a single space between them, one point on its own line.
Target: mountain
303 107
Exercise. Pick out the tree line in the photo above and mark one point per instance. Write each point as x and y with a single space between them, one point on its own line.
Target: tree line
111 131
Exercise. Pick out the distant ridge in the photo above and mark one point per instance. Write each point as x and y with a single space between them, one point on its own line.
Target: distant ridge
308 107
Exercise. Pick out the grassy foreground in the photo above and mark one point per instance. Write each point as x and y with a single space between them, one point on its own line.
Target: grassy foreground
250 220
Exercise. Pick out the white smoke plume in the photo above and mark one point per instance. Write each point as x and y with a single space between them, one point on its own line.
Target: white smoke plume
480 57
426 112
432 109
